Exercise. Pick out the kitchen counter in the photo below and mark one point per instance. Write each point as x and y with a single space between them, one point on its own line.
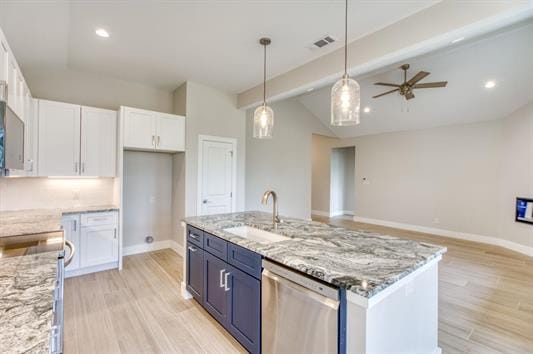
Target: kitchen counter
26 297
362 262
23 222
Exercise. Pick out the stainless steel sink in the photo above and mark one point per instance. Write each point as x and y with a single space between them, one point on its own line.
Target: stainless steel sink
251 233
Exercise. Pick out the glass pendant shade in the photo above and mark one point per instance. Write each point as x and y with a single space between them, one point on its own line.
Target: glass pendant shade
263 122
345 102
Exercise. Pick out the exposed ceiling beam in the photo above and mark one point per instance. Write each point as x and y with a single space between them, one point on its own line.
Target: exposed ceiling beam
425 31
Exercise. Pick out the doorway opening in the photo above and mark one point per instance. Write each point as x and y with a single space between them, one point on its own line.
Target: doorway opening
342 182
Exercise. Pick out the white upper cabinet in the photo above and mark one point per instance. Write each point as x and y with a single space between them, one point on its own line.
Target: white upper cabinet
139 129
4 55
76 141
98 142
59 139
148 130
170 131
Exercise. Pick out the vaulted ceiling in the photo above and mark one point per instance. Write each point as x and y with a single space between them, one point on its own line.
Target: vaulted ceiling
505 57
162 44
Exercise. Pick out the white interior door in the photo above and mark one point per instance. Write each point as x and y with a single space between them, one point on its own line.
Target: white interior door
216 177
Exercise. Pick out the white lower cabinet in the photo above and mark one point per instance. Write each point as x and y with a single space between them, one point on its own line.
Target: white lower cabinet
99 245
95 237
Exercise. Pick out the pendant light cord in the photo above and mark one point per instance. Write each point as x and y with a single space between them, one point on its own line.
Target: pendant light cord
346 38
264 74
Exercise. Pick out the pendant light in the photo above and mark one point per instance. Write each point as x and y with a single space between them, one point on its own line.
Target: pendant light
345 94
264 115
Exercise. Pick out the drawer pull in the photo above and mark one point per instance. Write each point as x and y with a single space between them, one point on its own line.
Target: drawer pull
192 249
221 282
196 237
226 287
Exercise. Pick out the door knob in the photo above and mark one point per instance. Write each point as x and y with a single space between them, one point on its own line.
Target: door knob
204 201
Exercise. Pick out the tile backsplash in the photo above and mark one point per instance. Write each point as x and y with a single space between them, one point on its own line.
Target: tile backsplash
38 193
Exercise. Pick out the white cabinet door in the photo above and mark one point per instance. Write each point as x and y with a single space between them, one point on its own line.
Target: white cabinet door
71 228
98 142
99 245
59 139
12 73
170 132
139 129
4 55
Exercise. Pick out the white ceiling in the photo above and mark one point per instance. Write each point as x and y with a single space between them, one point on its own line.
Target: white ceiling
162 44
505 57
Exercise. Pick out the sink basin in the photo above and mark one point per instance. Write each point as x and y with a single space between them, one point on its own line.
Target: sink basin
253 234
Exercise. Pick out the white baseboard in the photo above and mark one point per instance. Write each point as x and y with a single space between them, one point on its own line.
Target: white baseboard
453 234
320 213
341 212
155 246
87 270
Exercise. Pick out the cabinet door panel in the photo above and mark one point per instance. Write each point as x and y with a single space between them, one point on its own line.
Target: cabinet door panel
4 54
12 83
170 132
195 271
71 228
99 245
59 139
244 304
215 297
139 129
98 142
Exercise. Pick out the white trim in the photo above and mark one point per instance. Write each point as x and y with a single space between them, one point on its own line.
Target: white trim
453 234
438 350
185 294
341 212
149 247
93 269
369 302
177 248
233 141
320 213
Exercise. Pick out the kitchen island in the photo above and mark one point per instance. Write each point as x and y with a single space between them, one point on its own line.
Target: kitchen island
390 283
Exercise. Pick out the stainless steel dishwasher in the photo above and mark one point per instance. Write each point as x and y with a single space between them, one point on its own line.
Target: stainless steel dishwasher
299 314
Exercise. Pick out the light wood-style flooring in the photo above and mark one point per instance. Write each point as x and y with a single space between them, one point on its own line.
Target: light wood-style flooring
485 304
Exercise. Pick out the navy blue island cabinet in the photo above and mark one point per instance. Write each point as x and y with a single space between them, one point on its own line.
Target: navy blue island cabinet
225 279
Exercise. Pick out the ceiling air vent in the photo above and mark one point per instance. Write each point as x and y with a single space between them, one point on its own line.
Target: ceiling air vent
322 42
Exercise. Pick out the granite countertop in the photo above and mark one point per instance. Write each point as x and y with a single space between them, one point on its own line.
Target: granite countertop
32 221
26 298
360 261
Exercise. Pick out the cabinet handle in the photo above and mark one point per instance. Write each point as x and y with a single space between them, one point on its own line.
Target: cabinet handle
192 249
76 166
158 140
193 235
226 287
83 167
153 140
222 284
75 225
115 233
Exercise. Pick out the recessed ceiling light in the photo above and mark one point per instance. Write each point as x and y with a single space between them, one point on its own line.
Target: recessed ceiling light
458 39
366 110
102 33
490 84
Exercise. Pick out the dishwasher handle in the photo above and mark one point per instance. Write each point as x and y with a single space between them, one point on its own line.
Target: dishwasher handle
334 304
72 249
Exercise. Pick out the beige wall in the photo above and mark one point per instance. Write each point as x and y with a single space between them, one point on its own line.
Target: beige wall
147 207
461 178
209 112
89 89
37 193
284 162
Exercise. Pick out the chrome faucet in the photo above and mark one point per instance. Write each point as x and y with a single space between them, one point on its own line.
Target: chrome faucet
275 217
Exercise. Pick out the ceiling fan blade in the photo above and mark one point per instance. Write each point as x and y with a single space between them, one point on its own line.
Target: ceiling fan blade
430 85
409 95
386 84
417 77
385 93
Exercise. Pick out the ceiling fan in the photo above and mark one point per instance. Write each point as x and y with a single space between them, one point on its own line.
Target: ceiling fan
406 88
